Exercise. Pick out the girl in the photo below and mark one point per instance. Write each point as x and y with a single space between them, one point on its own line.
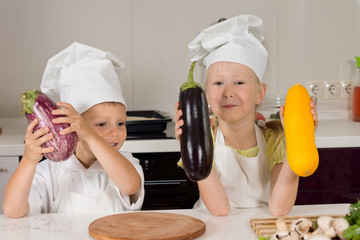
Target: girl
98 177
250 166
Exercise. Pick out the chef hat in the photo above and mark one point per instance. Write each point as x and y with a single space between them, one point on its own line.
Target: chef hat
83 76
238 39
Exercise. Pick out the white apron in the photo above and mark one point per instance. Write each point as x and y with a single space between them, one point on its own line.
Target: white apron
245 180
71 202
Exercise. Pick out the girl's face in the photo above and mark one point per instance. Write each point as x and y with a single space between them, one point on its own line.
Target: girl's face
233 91
108 121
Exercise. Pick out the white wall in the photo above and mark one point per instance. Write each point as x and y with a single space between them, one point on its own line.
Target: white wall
308 40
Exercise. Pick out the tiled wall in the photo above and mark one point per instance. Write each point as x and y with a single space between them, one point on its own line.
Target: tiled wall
308 40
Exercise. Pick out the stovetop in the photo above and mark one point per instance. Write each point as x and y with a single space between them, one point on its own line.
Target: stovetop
168 133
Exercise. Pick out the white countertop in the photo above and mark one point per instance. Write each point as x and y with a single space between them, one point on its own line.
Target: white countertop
331 133
75 227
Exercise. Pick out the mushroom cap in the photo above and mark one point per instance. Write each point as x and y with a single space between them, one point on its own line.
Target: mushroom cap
301 226
325 225
340 225
289 236
325 222
319 237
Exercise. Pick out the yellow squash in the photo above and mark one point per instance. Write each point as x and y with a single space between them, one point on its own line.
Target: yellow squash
302 153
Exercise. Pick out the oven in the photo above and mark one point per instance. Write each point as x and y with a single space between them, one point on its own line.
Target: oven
166 184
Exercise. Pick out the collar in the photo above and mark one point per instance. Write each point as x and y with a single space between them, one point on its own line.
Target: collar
74 164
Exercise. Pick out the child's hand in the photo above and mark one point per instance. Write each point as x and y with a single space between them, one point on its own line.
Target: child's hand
72 117
34 140
178 122
313 112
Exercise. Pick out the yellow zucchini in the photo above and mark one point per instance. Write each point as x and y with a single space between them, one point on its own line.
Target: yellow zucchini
302 154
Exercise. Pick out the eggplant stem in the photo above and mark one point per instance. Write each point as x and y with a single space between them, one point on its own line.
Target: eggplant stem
28 100
190 83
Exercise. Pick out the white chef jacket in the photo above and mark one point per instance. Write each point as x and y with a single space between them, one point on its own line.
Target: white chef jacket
82 181
246 180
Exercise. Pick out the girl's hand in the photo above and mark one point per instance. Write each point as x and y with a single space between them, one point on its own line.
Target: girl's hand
178 122
72 117
313 112
34 140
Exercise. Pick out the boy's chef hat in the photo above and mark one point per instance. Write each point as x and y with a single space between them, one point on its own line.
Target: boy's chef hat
83 76
238 39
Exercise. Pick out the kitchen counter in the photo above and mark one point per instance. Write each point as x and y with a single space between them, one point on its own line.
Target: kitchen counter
69 226
330 134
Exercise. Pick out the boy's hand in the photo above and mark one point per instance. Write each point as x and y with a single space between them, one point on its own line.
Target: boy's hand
72 117
313 112
178 122
34 140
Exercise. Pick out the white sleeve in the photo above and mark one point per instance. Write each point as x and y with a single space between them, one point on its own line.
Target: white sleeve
138 197
42 189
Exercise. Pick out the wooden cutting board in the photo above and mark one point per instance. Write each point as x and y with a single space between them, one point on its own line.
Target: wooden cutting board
146 226
266 227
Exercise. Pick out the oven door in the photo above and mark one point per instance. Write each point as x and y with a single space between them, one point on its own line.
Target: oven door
166 184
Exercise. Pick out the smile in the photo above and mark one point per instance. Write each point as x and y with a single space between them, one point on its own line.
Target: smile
229 106
113 144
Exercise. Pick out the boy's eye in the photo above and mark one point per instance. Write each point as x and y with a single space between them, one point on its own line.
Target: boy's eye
218 83
120 124
239 83
100 124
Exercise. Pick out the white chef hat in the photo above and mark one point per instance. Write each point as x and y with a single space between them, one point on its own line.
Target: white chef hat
238 39
83 76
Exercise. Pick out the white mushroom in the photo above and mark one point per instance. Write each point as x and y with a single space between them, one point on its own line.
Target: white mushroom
340 225
325 225
301 226
317 231
319 237
289 236
282 231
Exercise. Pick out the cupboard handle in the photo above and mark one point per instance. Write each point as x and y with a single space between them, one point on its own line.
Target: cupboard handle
3 170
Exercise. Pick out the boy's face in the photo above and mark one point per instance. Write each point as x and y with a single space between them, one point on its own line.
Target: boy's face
233 91
108 121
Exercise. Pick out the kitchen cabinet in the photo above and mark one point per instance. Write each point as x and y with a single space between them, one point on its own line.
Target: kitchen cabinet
7 169
337 179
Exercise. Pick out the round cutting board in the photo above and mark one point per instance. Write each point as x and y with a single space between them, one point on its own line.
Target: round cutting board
146 226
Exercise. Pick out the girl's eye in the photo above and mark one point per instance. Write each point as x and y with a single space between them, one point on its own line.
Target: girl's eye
120 124
100 124
218 83
239 83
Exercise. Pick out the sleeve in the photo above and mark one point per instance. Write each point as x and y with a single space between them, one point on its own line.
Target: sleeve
42 189
138 198
275 146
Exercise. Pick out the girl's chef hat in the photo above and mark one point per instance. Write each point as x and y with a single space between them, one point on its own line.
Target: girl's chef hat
83 76
238 39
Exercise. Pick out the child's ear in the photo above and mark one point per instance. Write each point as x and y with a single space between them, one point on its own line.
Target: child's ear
260 93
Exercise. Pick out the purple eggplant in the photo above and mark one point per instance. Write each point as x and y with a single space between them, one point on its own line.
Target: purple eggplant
196 140
36 104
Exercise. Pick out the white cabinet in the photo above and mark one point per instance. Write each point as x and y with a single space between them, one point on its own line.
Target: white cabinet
7 169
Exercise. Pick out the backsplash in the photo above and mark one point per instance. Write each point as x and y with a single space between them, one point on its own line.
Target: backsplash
306 44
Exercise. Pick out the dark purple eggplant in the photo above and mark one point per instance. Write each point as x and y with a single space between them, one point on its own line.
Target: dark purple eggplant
196 140
36 104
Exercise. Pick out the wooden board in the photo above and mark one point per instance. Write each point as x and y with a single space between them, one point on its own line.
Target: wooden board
146 226
0 130
266 226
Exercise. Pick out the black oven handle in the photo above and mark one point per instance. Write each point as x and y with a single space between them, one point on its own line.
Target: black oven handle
164 182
